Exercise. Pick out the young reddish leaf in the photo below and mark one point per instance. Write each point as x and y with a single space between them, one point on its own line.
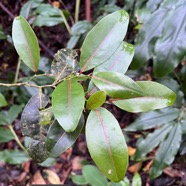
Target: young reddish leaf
116 85
103 40
106 144
26 43
68 103
96 100
155 96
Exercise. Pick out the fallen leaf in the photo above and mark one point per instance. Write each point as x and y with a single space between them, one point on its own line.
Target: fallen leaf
147 167
38 179
52 177
135 168
131 151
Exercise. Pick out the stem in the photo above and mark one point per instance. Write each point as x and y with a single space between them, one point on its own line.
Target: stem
17 71
16 138
26 84
65 22
88 12
77 11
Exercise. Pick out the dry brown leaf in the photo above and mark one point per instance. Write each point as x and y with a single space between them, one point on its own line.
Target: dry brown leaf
52 177
131 151
38 179
134 168
147 167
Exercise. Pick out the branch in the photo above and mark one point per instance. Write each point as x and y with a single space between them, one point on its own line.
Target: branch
26 84
6 10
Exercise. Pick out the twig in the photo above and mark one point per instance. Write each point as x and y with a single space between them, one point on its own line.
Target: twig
65 22
77 10
45 48
71 18
6 10
26 84
16 138
17 70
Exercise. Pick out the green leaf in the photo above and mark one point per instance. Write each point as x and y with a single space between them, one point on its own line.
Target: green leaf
136 180
77 30
28 6
48 162
153 119
106 144
30 126
13 157
155 96
79 180
26 43
171 46
103 40
68 103
166 151
147 37
42 20
116 85
97 179
96 100
13 113
5 135
152 140
64 63
47 10
119 61
3 101
58 140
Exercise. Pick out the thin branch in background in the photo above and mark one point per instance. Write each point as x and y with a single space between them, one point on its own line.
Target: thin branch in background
88 10
71 18
51 54
77 10
65 22
6 10
17 71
